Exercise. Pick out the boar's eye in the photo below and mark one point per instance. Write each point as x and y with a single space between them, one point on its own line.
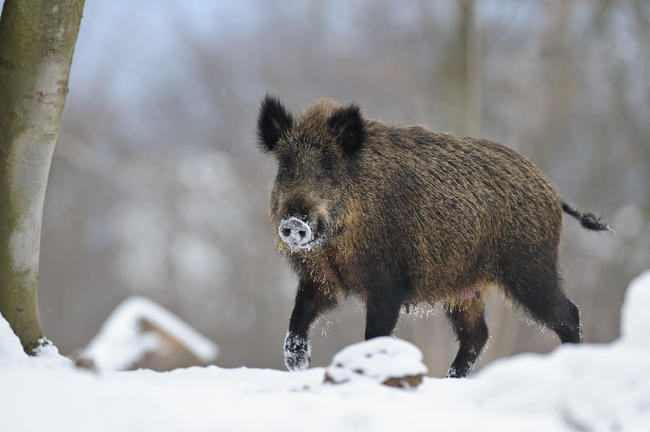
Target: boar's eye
327 167
286 170
327 171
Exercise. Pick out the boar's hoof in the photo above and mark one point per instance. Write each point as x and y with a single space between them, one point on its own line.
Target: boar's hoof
295 233
297 352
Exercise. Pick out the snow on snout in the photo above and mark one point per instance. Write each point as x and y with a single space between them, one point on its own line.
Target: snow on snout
385 360
295 232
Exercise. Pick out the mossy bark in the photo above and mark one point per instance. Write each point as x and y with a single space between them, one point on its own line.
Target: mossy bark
37 41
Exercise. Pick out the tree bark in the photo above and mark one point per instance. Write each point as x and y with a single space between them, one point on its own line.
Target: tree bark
470 84
464 73
37 40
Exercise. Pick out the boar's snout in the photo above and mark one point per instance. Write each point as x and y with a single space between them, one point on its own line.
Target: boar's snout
295 233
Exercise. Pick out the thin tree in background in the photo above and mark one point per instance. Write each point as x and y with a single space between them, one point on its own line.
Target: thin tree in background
37 39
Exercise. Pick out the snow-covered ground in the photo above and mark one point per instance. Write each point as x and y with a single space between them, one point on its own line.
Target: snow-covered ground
588 387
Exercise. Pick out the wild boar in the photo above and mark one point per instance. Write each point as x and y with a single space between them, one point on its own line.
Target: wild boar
401 215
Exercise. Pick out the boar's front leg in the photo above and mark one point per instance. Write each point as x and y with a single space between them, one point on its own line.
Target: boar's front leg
310 302
382 312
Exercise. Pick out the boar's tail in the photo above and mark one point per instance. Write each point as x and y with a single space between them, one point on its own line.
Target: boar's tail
587 220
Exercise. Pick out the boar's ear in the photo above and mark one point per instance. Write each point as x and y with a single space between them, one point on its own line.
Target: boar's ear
347 126
273 121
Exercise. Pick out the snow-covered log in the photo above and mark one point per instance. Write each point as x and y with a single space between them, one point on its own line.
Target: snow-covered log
142 334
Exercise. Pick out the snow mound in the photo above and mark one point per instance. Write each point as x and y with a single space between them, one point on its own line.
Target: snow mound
386 360
47 355
10 347
123 339
11 350
635 319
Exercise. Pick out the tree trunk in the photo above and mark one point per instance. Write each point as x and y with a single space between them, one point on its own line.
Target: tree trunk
464 73
470 120
37 40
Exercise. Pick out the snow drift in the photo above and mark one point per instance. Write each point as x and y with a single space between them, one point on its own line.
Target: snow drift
587 387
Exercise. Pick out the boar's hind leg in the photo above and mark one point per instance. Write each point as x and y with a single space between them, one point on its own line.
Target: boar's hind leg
310 303
468 321
535 284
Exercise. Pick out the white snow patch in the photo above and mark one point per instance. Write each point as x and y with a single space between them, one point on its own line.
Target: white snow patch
635 316
120 343
10 347
377 359
48 354
11 350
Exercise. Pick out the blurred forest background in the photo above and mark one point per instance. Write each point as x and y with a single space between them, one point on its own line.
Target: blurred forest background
157 187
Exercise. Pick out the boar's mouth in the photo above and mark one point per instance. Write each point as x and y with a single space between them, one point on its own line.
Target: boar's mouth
301 235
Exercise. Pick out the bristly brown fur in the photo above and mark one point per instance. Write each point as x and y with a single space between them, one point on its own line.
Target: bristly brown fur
408 215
